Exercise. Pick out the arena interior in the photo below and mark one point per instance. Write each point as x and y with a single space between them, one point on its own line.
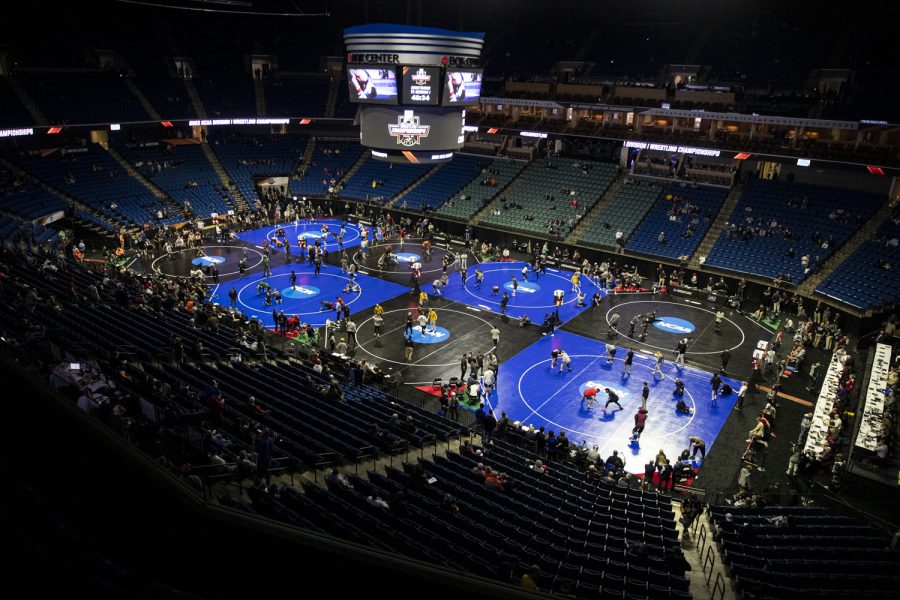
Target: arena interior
467 299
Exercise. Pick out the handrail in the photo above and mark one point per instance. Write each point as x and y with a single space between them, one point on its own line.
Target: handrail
702 539
709 559
719 586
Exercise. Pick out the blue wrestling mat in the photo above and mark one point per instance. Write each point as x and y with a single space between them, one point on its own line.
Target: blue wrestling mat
305 300
311 230
530 392
534 295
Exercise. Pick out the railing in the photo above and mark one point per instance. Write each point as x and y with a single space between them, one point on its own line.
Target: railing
718 587
709 560
701 538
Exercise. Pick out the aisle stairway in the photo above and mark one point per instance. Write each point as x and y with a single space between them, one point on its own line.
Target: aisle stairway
134 89
195 98
723 218
239 198
135 174
576 233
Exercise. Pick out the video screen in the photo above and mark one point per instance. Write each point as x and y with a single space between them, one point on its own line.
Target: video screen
462 87
377 86
420 129
421 85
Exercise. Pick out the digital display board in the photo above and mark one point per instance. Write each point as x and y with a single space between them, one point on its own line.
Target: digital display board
421 85
414 129
378 86
462 87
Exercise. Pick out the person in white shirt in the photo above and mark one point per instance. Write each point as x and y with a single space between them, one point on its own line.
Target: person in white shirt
423 321
495 336
741 394
488 379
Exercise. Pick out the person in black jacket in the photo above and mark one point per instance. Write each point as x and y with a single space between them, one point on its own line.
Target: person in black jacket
714 383
540 442
488 426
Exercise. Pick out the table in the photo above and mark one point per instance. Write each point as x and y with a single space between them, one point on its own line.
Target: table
818 431
873 409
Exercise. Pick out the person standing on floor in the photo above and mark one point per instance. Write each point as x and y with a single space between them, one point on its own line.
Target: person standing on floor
565 362
714 383
629 359
640 421
725 356
495 336
680 351
351 333
657 369
377 322
742 393
410 347
744 478
488 381
454 407
665 476
649 471
612 331
423 321
503 302
473 364
488 426
432 320
645 393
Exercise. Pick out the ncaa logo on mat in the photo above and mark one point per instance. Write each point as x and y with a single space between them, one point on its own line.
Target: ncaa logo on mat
525 287
674 325
207 261
407 257
301 291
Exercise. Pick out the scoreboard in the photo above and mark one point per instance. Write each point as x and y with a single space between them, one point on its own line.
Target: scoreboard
413 84
422 85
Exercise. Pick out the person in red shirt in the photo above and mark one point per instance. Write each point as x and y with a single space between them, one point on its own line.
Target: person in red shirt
590 394
640 419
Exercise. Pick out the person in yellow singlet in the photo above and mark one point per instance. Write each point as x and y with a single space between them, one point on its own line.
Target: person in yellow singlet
576 281
432 319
